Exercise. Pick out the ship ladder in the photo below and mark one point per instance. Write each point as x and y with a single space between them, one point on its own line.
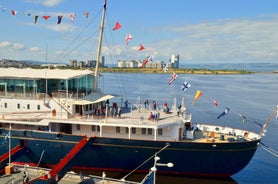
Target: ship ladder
63 166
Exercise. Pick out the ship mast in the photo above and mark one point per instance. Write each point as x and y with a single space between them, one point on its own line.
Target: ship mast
268 121
99 47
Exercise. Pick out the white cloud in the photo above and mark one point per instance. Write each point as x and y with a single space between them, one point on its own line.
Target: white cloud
35 49
5 44
18 46
228 40
48 3
15 46
63 27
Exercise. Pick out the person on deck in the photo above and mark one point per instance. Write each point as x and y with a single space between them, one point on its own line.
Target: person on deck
166 108
119 112
151 117
154 105
146 103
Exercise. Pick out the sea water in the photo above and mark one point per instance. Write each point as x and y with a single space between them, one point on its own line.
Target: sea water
253 95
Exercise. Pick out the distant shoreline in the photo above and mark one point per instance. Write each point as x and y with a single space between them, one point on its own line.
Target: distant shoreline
174 70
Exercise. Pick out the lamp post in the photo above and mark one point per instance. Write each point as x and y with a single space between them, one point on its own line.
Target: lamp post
10 144
154 169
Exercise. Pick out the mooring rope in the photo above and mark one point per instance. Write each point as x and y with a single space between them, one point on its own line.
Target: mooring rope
40 158
269 149
167 144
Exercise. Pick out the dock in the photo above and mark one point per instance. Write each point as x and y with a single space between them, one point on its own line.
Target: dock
69 178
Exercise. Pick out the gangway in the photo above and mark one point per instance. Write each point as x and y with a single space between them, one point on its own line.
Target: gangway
64 165
14 153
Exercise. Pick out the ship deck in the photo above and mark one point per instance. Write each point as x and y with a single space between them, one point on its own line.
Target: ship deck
132 117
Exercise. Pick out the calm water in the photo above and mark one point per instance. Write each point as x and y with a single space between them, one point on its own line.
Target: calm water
254 96
255 67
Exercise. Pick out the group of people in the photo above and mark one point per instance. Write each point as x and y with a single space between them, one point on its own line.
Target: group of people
154 116
115 110
146 103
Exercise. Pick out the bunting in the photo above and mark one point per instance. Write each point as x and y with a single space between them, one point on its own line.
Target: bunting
27 13
72 16
243 118
257 123
185 86
173 77
141 47
104 4
224 113
6 137
128 38
3 9
117 26
147 60
36 18
164 67
46 17
197 96
59 19
215 103
14 12
86 14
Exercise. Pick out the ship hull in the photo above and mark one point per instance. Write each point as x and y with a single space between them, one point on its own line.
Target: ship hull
124 155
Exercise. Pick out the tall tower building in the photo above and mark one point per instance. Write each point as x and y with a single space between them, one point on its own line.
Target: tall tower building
175 60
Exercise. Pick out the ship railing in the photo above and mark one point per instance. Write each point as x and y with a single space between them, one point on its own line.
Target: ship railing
69 95
19 95
228 131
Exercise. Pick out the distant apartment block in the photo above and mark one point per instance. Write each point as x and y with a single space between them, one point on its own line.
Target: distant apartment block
173 63
12 63
128 64
88 63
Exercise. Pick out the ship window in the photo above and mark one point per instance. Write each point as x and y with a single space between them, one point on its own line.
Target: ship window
133 130
78 127
93 127
6 105
160 131
150 131
39 107
118 129
28 106
98 128
126 130
143 131
18 106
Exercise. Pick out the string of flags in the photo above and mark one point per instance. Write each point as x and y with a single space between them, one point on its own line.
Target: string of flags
186 85
15 13
128 37
60 18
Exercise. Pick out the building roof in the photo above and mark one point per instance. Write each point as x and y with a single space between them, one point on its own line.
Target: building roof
29 73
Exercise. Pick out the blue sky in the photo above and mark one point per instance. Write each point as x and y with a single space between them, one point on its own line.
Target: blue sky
201 31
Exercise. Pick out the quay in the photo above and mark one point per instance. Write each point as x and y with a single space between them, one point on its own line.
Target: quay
17 177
